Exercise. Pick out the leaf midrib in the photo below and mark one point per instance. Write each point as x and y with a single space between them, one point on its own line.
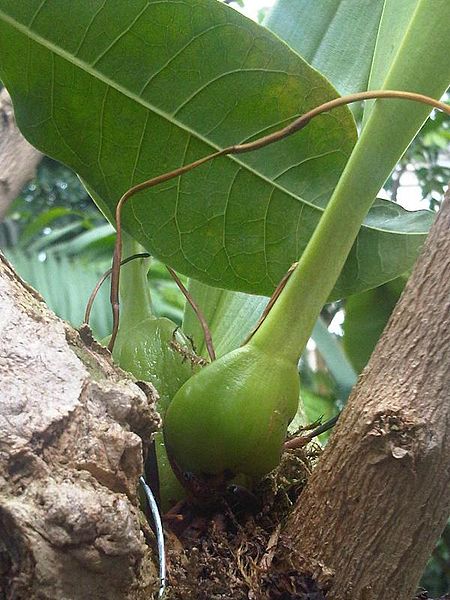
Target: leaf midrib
50 46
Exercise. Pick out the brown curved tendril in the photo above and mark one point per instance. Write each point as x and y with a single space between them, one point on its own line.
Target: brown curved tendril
293 127
103 278
199 314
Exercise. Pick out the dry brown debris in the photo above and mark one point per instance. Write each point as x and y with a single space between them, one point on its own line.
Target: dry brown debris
228 551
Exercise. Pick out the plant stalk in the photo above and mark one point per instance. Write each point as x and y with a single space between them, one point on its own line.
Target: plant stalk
290 322
368 168
134 288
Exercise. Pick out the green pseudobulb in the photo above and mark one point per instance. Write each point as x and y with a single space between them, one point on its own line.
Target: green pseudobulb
232 416
147 350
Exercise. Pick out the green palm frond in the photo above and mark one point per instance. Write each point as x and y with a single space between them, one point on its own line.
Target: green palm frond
65 284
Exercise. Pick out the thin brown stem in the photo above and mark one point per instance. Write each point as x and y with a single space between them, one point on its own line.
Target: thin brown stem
290 129
117 256
302 440
100 282
199 314
280 287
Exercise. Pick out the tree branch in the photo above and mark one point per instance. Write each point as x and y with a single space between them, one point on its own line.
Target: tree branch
18 158
377 502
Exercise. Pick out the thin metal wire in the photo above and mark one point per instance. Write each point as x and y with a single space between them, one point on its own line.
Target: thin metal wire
159 535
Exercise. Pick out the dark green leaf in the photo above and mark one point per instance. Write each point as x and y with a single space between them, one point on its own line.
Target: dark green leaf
124 91
43 220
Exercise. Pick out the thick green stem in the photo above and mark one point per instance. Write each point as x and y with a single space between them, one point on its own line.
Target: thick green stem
289 324
390 127
134 288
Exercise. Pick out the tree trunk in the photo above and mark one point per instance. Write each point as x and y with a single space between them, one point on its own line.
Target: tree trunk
71 434
18 158
374 507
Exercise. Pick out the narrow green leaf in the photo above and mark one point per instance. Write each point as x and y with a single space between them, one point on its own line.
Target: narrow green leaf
394 23
337 37
366 316
352 42
87 239
334 356
230 316
43 220
421 65
155 103
388 131
47 241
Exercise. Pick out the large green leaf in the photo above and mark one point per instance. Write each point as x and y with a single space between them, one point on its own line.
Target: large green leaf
352 42
121 91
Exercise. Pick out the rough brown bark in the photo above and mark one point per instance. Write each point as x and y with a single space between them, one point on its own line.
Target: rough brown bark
71 431
377 502
18 158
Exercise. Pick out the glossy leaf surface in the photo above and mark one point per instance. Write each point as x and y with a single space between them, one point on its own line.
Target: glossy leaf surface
125 91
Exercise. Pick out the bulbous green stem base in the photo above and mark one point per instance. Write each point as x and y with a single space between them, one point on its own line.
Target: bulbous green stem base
233 414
